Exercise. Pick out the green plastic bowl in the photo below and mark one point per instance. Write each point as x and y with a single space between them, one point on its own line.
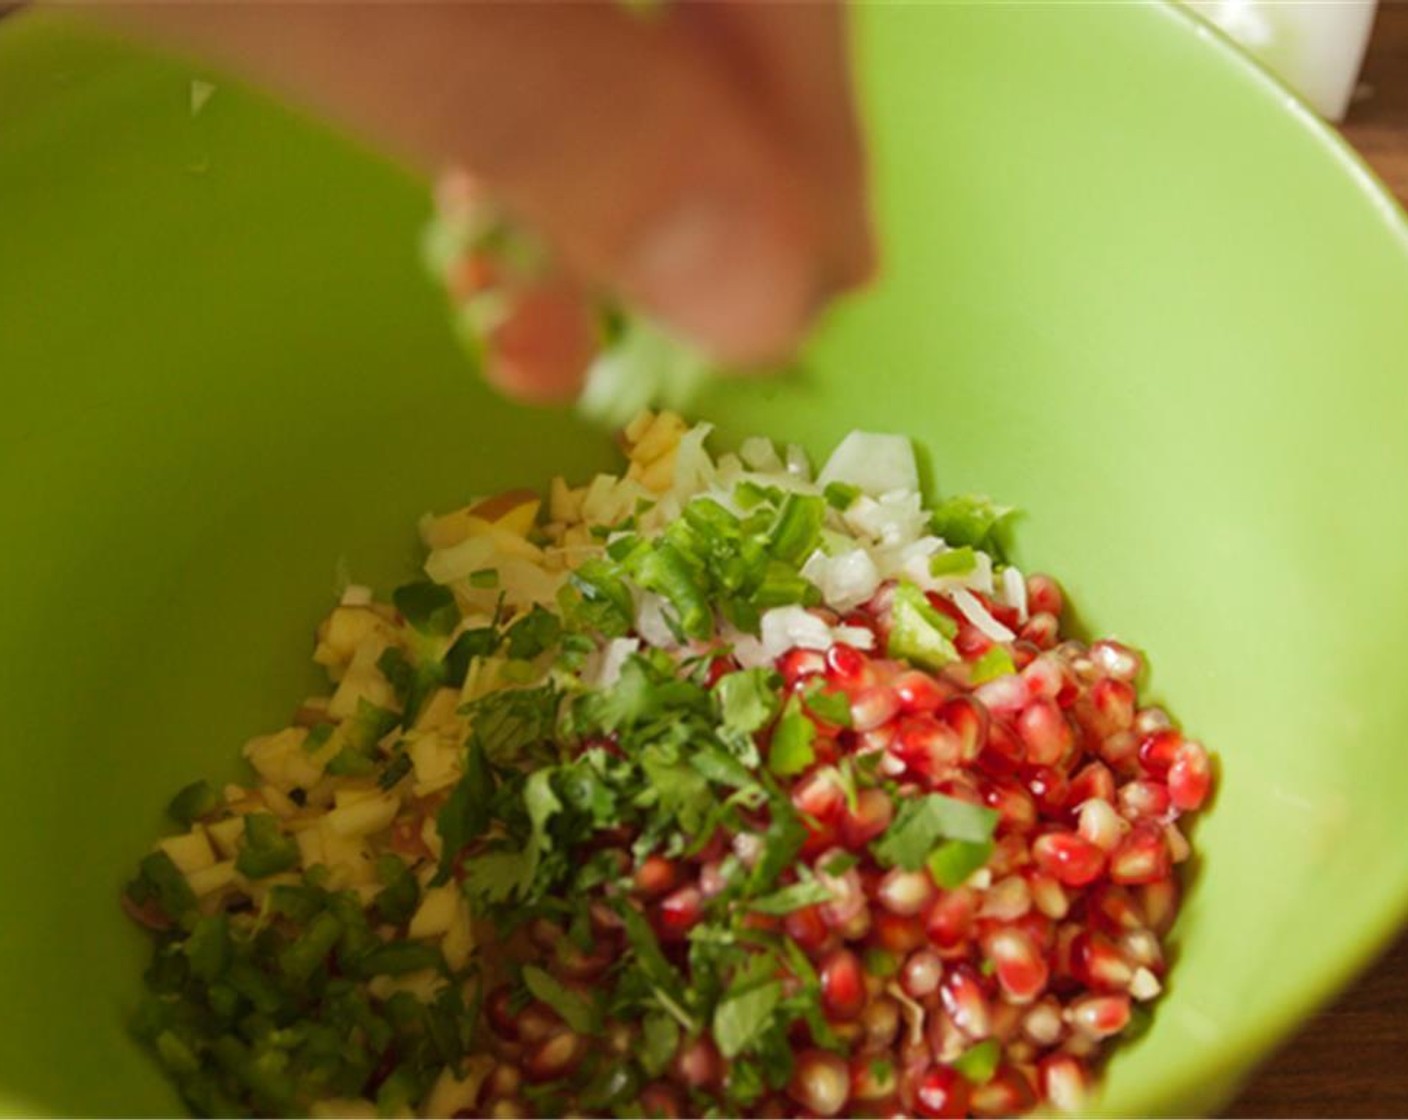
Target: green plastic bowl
1130 285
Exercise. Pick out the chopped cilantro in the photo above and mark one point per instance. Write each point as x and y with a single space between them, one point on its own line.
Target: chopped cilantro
194 801
484 578
747 699
742 1017
578 1012
841 495
266 851
979 1062
834 707
534 633
922 822
427 607
660 1038
791 751
400 893
794 897
953 861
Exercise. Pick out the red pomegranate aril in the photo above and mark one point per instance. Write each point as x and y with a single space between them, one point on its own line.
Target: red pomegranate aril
662 1100
847 891
1068 858
807 928
1112 909
873 707
1044 595
856 926
842 985
846 666
1006 1093
1158 751
679 913
555 1057
1149 720
905 892
1144 799
869 820
821 1082
797 665
575 963
1097 962
1116 660
1006 900
921 973
1064 1082
1020 968
1048 895
1092 781
941 1093
1159 902
873 1077
926 746
1049 788
1190 777
1141 857
1099 1016
951 918
1044 678
498 1007
1041 630
1178 847
896 933
1045 732
1143 949
918 692
965 1002
821 796
1011 802
698 1065
968 721
1099 823
1043 1024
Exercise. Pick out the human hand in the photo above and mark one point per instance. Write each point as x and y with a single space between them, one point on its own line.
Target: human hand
700 162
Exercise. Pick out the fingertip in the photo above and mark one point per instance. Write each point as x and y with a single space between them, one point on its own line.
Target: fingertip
541 351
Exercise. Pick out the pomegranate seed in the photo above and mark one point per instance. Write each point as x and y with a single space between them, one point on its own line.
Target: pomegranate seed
1099 1016
1116 660
1178 847
1044 595
807 928
1002 694
926 746
698 1065
921 974
896 933
941 1093
1048 896
1045 732
711 879
918 692
946 1042
842 985
1097 963
1068 858
1141 857
1144 800
1007 899
847 892
821 1082
1044 678
575 963
1021 970
1190 777
1002 751
1144 985
1011 802
1158 751
1049 788
873 707
1143 948
1149 720
1112 706
662 1100
1112 909
679 913
557 1057
1092 781
968 721
846 666
1011 853
965 1002
1064 1082
905 892
1006 1093
856 926
505 1081
871 817
1159 902
881 1020
1043 1023
1080 1046
820 795
873 1077
797 665
1100 824
1041 630
951 918
498 1007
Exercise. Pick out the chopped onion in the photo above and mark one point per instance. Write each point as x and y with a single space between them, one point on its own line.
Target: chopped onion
861 637
760 454
651 624
846 580
1014 591
978 615
877 464
610 660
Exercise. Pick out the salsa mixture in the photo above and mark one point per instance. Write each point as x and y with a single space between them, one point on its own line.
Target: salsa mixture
714 788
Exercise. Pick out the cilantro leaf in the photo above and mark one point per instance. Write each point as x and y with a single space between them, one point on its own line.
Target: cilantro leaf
831 707
953 861
428 607
466 813
266 851
743 1017
918 632
660 1038
535 632
747 699
922 822
791 751
194 801
790 898
578 1012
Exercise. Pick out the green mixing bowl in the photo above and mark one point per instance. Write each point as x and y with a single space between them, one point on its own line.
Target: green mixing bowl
1130 285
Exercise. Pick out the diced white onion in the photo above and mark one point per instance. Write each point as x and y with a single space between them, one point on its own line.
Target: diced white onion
846 580
877 464
760 454
1014 592
978 615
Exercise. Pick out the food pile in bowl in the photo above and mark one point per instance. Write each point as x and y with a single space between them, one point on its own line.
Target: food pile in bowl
713 788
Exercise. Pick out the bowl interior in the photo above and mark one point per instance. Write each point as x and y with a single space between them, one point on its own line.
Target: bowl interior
1130 287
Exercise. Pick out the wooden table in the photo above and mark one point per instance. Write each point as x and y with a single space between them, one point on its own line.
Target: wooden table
1352 1059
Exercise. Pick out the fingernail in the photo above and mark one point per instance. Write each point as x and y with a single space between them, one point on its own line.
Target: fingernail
729 277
